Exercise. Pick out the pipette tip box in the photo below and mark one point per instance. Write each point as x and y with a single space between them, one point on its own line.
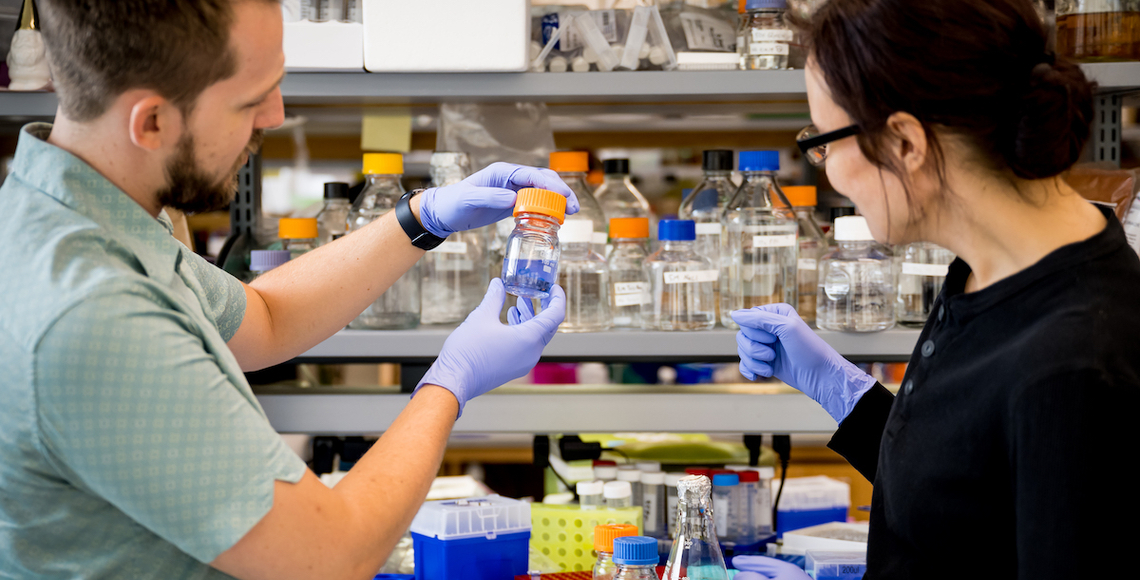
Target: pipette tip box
485 538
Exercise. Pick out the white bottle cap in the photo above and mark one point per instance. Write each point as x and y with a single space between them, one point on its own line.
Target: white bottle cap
767 472
576 232
653 478
672 479
629 475
649 465
590 487
618 490
605 472
852 228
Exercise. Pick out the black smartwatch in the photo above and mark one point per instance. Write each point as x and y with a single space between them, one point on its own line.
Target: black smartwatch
420 237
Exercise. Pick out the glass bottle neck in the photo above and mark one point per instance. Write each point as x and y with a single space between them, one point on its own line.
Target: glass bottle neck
373 179
617 178
717 175
676 245
536 221
605 557
694 522
855 244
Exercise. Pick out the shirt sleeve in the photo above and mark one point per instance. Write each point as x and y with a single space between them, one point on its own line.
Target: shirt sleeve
1071 434
861 432
225 295
133 409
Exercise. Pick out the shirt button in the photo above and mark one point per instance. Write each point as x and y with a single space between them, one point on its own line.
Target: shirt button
908 387
928 348
941 312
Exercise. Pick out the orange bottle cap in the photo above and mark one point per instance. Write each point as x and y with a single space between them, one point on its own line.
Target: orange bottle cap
297 228
800 195
604 535
383 164
545 202
629 228
570 161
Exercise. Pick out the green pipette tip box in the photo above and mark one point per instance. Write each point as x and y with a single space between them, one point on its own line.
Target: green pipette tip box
565 533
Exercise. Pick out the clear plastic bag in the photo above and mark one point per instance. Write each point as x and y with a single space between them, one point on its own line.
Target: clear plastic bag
514 132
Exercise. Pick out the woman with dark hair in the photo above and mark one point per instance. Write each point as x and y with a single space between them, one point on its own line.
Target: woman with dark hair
949 121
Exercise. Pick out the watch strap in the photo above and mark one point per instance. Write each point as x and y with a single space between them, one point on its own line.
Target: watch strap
421 238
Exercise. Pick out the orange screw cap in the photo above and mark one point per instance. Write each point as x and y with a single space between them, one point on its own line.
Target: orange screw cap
297 228
543 201
604 535
570 161
629 228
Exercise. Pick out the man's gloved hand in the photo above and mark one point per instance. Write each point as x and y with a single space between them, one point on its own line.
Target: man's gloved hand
774 341
765 568
485 197
484 353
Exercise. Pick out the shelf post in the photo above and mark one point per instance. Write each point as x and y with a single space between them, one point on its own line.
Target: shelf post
1105 132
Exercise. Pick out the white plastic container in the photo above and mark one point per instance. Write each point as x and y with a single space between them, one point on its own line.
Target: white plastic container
809 501
484 538
839 536
446 36
324 46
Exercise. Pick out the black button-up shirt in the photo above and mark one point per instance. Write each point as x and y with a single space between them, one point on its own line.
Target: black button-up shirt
1003 455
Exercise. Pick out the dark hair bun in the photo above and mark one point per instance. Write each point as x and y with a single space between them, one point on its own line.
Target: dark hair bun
1053 118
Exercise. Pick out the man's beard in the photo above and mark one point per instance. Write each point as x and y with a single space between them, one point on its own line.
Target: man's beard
191 190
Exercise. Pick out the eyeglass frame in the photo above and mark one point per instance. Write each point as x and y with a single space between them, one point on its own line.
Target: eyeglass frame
810 143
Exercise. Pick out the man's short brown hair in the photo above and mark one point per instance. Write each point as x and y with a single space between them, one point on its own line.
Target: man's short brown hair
99 49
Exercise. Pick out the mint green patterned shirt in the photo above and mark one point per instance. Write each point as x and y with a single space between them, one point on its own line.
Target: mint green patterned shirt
131 445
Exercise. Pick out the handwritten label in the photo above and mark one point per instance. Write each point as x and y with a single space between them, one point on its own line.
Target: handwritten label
806 264
631 293
774 241
768 49
771 35
695 276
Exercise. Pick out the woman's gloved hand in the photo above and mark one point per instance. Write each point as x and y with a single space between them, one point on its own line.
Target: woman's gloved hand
765 568
775 342
485 197
484 353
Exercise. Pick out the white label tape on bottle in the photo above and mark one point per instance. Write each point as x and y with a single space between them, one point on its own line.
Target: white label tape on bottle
451 265
451 248
761 35
600 238
768 49
913 269
774 241
636 299
694 276
806 264
780 229
708 229
630 287
576 232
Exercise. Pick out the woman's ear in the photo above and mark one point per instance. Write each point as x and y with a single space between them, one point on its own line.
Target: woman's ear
907 141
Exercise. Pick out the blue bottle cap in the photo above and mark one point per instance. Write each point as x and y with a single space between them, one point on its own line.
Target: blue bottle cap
635 551
676 230
759 160
759 4
726 479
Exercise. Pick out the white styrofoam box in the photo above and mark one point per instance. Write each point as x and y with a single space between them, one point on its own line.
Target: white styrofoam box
837 536
324 46
446 35
478 517
812 493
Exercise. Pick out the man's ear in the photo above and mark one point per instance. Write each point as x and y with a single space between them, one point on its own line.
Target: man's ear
154 122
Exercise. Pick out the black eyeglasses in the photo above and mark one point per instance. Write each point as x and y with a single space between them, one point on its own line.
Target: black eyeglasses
814 145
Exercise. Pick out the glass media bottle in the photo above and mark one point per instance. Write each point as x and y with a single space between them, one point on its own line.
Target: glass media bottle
455 272
617 195
856 281
572 167
530 262
332 221
812 245
629 282
923 271
682 280
761 240
585 277
1098 30
764 41
705 206
696 552
298 235
399 306
604 536
635 558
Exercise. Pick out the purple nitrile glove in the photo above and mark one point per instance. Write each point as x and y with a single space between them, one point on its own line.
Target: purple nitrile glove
775 342
484 353
486 197
765 568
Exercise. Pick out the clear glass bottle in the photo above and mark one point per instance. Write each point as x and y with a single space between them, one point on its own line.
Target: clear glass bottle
617 195
629 282
671 481
455 272
921 275
262 261
636 558
530 262
1098 30
748 516
298 235
705 206
765 526
604 536
399 307
696 552
590 494
682 281
760 251
585 276
764 41
309 10
725 487
653 504
572 167
633 477
332 220
856 281
619 494
812 245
